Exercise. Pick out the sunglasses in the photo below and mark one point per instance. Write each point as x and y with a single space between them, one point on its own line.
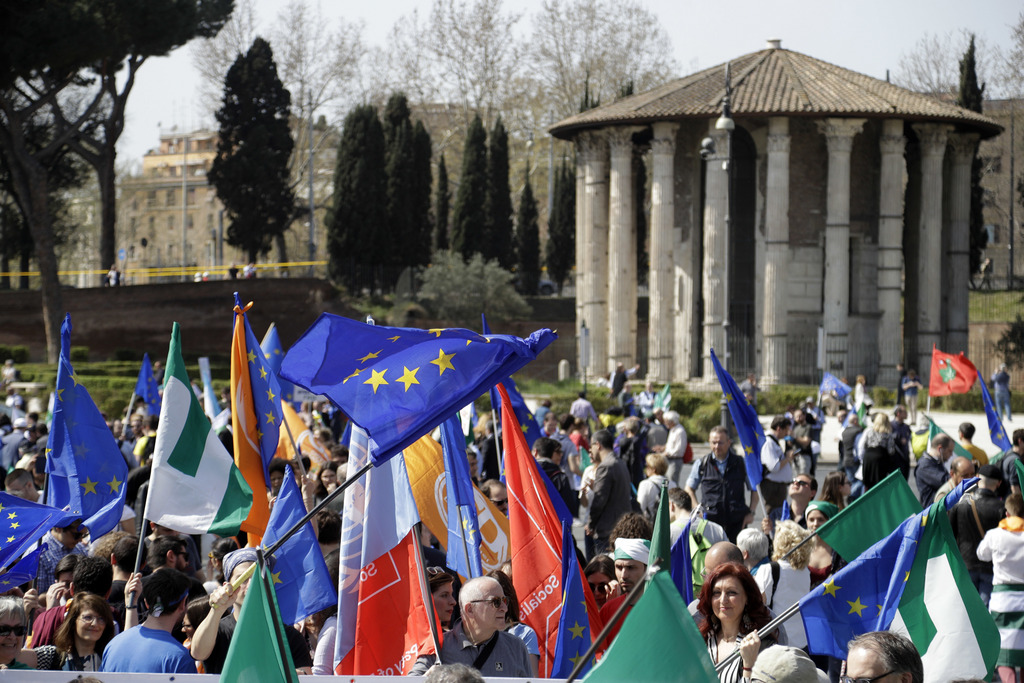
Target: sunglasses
598 587
12 631
76 533
496 603
434 571
847 679
500 503
800 483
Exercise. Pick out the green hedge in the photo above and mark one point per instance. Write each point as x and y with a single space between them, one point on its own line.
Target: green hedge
19 354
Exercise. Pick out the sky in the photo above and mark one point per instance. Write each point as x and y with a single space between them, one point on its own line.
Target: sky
868 36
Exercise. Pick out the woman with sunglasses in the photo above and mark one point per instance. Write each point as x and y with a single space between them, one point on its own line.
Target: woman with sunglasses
733 611
13 627
600 573
79 642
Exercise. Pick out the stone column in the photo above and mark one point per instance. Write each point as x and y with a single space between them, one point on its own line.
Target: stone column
716 252
622 287
595 251
930 271
776 265
890 250
839 135
660 337
582 224
964 146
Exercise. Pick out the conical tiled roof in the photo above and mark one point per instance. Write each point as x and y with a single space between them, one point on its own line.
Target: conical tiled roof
774 82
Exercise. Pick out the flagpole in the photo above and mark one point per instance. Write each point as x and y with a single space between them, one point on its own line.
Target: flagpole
762 632
497 443
616 618
295 447
128 410
261 562
465 544
425 590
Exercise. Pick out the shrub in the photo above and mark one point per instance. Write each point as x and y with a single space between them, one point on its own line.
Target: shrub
79 354
19 354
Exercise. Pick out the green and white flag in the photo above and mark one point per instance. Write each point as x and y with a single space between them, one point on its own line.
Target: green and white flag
941 610
663 399
195 486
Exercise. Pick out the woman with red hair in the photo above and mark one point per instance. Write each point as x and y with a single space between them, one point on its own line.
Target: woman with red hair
733 611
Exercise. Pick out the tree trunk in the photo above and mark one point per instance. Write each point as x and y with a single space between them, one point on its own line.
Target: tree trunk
5 267
39 221
282 250
24 262
108 213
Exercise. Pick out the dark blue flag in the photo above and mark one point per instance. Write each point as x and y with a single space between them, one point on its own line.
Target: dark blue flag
463 526
274 354
745 418
301 580
22 524
23 571
864 595
399 383
830 383
682 564
995 425
573 625
146 387
86 469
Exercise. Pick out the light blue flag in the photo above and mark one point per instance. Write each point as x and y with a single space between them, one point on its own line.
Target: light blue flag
463 555
22 524
146 387
210 404
573 624
86 469
274 353
301 580
745 418
995 425
830 383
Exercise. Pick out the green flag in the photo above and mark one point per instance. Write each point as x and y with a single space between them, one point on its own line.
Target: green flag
934 430
661 541
664 398
1020 474
259 649
871 517
659 639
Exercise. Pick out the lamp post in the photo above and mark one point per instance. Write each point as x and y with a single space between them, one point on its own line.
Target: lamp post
184 206
584 352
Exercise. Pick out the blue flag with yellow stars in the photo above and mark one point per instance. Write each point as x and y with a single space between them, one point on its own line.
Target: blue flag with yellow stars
830 383
273 352
748 427
864 595
463 555
523 413
86 470
22 524
573 625
301 580
146 387
399 383
995 425
23 571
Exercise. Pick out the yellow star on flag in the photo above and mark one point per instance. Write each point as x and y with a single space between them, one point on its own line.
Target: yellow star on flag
394 339
114 485
12 515
831 588
436 331
251 356
443 361
354 374
15 525
856 606
276 576
369 356
74 378
89 486
728 397
60 397
576 630
748 450
575 660
263 372
10 539
270 418
270 394
409 377
376 379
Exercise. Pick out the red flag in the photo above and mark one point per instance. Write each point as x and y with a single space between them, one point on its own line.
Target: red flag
393 626
536 540
950 374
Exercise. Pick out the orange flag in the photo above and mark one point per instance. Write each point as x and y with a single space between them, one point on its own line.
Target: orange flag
536 534
304 439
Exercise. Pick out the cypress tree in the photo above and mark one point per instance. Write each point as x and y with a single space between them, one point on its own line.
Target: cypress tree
357 225
528 240
401 183
423 150
498 245
250 171
442 199
971 96
560 252
469 220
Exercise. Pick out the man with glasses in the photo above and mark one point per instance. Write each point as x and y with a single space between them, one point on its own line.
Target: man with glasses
883 657
497 494
60 542
802 490
479 639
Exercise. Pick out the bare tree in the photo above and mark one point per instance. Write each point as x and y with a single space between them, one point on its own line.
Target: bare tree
213 56
406 63
604 44
932 66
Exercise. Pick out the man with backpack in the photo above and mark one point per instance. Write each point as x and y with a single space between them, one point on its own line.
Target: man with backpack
703 532
722 478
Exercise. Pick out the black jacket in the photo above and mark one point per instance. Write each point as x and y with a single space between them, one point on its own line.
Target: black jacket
965 525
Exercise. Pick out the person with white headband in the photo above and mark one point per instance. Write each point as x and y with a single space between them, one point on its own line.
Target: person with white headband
631 556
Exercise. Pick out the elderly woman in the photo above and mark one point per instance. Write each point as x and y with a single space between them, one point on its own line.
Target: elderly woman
794 579
13 627
733 611
649 491
756 549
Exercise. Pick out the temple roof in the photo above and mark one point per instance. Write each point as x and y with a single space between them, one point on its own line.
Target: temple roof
774 82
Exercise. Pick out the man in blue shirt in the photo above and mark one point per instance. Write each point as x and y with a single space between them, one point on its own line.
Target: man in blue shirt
1001 387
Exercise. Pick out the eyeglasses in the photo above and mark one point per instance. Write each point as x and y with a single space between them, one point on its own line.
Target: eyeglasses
91 619
76 533
800 483
496 603
18 631
598 587
847 679
500 503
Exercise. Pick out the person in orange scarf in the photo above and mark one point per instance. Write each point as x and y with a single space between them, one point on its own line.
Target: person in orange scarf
1004 547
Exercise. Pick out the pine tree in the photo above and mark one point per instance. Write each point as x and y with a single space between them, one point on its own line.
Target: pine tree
357 226
498 245
528 240
469 220
423 150
250 171
401 182
561 247
442 200
971 97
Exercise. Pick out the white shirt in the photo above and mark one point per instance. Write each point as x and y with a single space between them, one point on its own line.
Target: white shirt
1005 550
675 446
771 455
793 585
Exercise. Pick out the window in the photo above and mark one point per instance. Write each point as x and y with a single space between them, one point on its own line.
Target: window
151 198
191 196
170 198
170 222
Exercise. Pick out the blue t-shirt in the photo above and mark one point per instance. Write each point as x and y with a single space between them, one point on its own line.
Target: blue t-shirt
147 650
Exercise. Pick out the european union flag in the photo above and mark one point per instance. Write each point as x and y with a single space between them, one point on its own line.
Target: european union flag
995 425
22 524
146 387
301 580
573 625
273 352
681 566
865 595
463 526
830 383
398 383
86 470
527 422
24 571
745 418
